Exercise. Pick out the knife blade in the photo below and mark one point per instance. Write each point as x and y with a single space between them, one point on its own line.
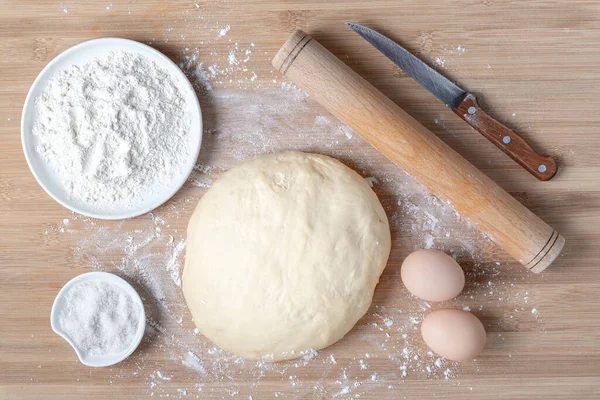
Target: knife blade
463 103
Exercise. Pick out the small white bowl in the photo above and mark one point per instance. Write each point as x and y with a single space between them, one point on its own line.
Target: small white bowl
59 304
81 54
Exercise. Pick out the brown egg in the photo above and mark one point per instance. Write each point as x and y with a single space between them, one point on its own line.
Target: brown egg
453 334
432 275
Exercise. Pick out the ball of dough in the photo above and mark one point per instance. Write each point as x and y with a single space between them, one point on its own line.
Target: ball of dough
283 255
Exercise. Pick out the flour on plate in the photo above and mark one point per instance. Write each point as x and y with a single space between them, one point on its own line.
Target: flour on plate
115 130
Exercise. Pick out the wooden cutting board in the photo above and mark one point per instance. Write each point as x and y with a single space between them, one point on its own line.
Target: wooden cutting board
535 64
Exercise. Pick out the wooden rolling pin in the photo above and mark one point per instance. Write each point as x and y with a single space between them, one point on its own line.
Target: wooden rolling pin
514 228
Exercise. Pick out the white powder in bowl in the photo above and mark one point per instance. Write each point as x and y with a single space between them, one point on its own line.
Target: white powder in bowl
100 318
115 130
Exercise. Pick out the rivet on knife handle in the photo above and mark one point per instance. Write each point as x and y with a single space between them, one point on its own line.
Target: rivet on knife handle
507 140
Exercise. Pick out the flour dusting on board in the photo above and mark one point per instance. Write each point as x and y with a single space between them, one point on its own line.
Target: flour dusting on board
246 114
387 339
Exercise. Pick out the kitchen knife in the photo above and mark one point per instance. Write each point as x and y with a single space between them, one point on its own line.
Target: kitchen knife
464 104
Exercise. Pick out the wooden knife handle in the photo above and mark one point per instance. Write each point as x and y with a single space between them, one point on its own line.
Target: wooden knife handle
419 152
507 140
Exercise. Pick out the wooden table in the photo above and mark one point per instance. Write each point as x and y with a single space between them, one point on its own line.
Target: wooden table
535 64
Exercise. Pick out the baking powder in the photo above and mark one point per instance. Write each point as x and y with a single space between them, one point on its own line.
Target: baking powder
100 318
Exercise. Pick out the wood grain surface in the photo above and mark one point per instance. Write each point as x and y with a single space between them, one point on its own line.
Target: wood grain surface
533 65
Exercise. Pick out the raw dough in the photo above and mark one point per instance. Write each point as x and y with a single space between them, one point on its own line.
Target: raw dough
283 255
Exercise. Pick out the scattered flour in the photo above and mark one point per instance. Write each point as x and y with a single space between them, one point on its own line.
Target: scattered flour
223 31
173 263
232 58
150 252
160 375
246 115
192 361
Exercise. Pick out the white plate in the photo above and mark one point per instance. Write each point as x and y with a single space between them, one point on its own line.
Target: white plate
79 55
59 304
